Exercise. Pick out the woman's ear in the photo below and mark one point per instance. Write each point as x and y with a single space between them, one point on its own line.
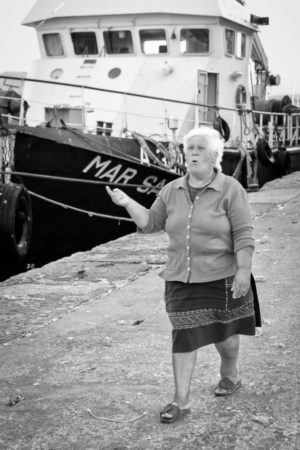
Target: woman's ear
214 156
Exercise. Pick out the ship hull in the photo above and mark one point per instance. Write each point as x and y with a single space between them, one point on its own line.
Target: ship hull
71 216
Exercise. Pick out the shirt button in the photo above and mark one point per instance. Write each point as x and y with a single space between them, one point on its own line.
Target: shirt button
197 198
188 258
188 227
187 236
189 216
188 247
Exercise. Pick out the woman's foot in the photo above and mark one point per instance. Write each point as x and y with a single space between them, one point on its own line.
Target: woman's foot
227 387
172 413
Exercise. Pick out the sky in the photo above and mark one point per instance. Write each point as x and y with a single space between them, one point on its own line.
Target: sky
281 39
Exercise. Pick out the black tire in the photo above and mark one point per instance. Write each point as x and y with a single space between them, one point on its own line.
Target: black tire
282 162
15 222
264 153
222 127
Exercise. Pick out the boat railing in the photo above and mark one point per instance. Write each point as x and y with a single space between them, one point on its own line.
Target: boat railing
279 128
174 116
104 128
244 123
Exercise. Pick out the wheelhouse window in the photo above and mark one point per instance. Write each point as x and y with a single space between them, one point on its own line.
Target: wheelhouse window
240 45
194 40
229 41
53 44
84 43
153 41
118 42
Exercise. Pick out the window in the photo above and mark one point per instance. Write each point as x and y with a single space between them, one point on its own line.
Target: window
53 44
240 45
104 128
118 42
194 40
229 41
153 41
84 43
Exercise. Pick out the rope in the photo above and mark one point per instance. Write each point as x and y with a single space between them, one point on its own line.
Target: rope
116 420
90 140
128 113
132 94
73 208
249 169
75 180
238 170
162 149
147 150
255 127
254 181
141 140
247 129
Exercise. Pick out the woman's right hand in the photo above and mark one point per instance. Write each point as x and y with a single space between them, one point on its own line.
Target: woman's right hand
118 197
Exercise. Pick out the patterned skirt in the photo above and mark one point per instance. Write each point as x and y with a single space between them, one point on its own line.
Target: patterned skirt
206 313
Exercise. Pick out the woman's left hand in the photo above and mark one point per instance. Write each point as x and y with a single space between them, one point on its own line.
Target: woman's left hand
241 283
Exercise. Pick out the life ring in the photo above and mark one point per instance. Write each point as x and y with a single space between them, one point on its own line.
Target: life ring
15 222
264 153
240 96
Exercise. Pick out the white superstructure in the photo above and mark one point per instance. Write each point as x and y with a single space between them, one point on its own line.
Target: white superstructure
195 51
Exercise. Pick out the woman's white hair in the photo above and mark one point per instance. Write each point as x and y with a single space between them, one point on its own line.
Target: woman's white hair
211 140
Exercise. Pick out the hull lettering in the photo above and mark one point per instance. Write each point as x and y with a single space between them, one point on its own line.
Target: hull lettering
105 171
151 185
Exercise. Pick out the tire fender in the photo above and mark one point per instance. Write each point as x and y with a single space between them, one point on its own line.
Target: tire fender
15 222
282 161
264 153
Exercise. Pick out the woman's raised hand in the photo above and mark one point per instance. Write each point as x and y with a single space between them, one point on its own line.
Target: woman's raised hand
118 197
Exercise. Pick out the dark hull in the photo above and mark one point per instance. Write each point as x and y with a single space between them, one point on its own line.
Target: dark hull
59 231
264 173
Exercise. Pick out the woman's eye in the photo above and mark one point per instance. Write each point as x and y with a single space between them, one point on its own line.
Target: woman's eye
195 150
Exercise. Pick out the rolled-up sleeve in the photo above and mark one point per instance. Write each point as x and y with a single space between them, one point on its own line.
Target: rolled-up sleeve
157 217
239 213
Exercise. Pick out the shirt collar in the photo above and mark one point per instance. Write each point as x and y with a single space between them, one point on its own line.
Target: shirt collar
217 183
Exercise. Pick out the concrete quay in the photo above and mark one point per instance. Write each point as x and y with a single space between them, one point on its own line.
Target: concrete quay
85 348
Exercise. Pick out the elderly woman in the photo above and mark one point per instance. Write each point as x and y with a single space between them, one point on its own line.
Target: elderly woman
208 293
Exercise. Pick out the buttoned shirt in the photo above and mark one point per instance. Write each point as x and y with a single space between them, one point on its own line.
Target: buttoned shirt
204 235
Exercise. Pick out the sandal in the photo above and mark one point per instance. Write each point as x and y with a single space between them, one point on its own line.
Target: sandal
174 411
227 387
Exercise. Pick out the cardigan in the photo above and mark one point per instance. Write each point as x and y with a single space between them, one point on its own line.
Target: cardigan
204 235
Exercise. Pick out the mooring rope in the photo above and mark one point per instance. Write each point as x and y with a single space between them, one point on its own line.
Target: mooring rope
238 169
74 180
84 211
91 140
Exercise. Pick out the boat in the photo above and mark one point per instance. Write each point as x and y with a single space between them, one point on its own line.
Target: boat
117 87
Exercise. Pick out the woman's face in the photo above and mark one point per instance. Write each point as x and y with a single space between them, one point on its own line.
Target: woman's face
200 160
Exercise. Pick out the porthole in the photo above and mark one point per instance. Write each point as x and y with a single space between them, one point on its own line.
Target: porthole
56 73
114 73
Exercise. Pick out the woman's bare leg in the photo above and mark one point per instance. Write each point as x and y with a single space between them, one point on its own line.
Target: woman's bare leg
229 351
183 368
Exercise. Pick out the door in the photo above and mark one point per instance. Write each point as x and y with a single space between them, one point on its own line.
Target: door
207 94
